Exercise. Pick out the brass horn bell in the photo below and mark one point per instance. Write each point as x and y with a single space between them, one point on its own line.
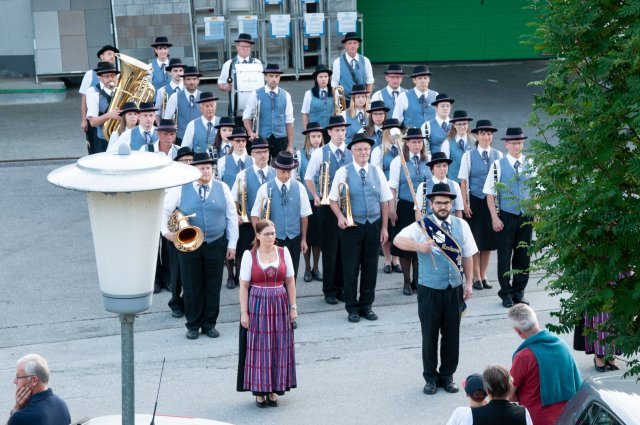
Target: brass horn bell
188 238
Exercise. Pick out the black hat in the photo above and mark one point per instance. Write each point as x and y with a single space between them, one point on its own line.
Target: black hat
484 125
359 89
191 71
239 132
351 36
206 96
420 70
147 107
259 143
322 68
473 384
167 125
203 158
174 63
105 48
183 151
377 105
441 189
414 133
106 68
514 133
225 122
128 107
437 158
285 161
460 116
272 68
161 41
391 123
442 97
312 126
359 138
393 68
244 38
337 121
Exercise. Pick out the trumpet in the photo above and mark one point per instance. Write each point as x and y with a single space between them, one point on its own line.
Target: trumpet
242 195
188 238
339 101
255 123
323 182
345 204
265 213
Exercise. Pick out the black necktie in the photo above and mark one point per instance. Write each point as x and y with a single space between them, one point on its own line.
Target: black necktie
516 165
363 176
446 226
461 144
394 150
192 99
339 155
261 174
416 164
285 201
323 94
209 131
240 165
422 99
147 137
485 156
395 96
273 100
379 133
162 68
202 190
444 126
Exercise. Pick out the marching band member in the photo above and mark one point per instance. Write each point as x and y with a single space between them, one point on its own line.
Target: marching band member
98 100
437 128
413 107
166 136
459 140
439 166
175 69
356 114
389 94
159 74
128 120
317 105
144 134
351 68
336 155
222 144
185 101
377 115
201 132
201 269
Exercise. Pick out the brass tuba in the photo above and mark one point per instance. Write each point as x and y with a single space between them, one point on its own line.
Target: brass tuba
345 203
188 238
134 85
265 212
339 101
323 183
242 196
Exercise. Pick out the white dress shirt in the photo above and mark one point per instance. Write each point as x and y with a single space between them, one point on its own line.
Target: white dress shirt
172 103
489 184
313 167
189 132
341 176
402 103
93 100
458 204
368 71
252 101
305 205
234 189
173 151
306 101
161 92
223 161
465 162
469 248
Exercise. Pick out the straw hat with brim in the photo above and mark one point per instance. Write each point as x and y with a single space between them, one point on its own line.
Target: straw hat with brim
437 158
201 158
484 125
128 107
442 97
147 107
107 48
225 122
167 125
337 121
514 133
206 96
460 116
161 41
391 123
285 161
441 189
312 126
182 152
360 138
191 71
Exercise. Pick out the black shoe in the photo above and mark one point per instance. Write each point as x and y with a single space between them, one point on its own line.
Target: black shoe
308 277
353 317
317 276
230 283
611 366
430 388
294 324
486 284
330 300
414 286
599 368
211 333
477 285
387 269
407 290
397 268
450 387
272 403
369 315
192 334
340 296
262 404
156 289
507 302
521 301
177 314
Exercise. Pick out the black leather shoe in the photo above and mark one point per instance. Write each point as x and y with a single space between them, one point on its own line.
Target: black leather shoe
353 317
507 302
477 285
387 269
486 284
294 324
521 301
192 334
317 276
369 315
600 369
430 388
272 403
407 290
177 314
308 277
261 404
156 289
230 283
397 268
450 387
330 300
211 333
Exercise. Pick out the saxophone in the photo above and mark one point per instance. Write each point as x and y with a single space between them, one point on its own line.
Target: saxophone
265 213
495 183
242 196
345 203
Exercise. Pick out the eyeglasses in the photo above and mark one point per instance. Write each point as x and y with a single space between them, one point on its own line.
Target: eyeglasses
361 149
442 204
268 234
23 376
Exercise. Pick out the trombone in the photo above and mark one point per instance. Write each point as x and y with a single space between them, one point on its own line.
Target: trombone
265 201
339 100
242 196
345 203
323 183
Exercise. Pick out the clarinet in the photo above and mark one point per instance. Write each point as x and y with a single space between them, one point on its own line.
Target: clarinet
495 182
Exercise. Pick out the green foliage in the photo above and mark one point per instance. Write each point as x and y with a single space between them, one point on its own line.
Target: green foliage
587 190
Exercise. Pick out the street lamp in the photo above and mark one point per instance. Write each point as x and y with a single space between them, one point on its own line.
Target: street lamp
125 192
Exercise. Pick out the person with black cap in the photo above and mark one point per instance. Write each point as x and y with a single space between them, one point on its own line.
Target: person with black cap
356 114
393 75
144 134
336 155
437 128
439 166
474 168
209 201
507 180
445 246
98 100
128 120
368 194
253 176
413 107
317 104
200 133
275 111
159 74
477 397
459 140
166 138
351 68
222 145
184 101
377 115
175 70
90 79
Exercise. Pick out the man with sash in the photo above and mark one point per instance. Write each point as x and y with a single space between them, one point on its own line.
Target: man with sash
335 155
368 195
437 128
351 68
253 176
214 212
507 180
389 94
228 71
165 143
105 54
276 113
413 107
201 132
445 247
184 101
439 166
159 73
142 135
176 70
98 101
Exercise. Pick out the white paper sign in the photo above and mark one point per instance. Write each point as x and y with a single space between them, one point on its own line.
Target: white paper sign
280 26
347 22
313 24
248 24
214 28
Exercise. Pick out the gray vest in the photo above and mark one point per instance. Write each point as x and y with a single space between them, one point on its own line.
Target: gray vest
515 189
436 136
231 169
202 140
186 113
285 217
210 214
478 171
272 113
418 113
365 198
446 273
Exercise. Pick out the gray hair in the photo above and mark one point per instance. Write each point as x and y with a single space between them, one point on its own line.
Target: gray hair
36 365
523 317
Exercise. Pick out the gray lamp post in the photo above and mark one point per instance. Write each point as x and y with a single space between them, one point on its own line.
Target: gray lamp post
125 192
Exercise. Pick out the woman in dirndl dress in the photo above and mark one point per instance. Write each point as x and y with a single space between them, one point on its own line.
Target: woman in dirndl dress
266 364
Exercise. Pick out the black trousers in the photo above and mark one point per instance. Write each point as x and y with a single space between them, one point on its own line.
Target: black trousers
246 235
439 313
276 145
99 145
163 271
176 303
513 257
201 272
359 246
332 274
90 136
293 245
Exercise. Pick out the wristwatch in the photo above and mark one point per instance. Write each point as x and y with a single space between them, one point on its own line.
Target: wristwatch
293 307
